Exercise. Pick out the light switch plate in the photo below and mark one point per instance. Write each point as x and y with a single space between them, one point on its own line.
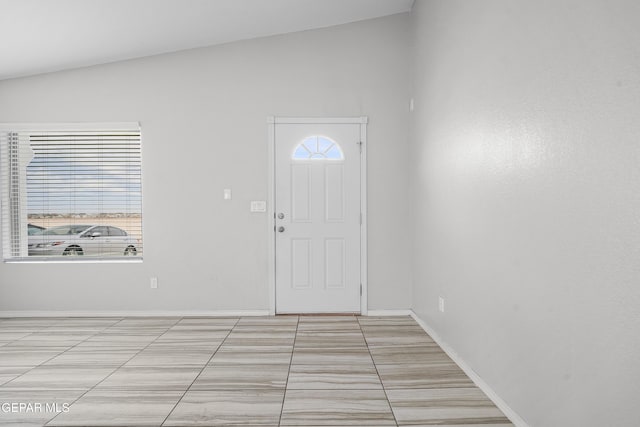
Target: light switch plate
258 206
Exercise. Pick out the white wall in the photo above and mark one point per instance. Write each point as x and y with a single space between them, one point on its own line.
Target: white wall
203 115
526 142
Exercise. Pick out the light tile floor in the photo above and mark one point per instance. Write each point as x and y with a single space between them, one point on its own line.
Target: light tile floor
249 371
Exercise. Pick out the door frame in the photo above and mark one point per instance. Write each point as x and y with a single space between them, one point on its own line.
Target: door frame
272 121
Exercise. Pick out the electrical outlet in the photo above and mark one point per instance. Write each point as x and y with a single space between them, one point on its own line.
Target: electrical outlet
441 304
154 283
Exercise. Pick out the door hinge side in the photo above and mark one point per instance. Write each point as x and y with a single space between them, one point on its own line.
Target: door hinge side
360 145
360 218
360 289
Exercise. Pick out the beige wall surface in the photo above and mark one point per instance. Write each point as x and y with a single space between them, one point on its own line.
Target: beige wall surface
526 176
204 114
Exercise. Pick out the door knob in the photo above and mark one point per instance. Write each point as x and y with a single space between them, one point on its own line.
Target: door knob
281 229
280 215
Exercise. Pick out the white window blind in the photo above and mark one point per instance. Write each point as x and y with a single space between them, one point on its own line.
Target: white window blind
71 191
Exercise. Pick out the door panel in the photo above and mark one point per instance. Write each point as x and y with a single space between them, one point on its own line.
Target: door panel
301 263
300 193
334 193
317 205
334 263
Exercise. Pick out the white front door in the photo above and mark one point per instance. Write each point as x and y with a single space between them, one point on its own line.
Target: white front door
318 218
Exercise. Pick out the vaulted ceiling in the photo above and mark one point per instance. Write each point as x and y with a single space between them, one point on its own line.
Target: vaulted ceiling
39 36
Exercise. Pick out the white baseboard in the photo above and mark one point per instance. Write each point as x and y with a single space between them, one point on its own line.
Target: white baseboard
167 313
140 313
389 312
478 381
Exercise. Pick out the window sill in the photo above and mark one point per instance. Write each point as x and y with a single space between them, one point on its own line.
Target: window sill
76 260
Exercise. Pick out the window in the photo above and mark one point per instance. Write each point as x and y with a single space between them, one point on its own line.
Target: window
71 190
115 231
319 148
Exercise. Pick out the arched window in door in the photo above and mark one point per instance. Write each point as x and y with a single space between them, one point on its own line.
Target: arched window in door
318 148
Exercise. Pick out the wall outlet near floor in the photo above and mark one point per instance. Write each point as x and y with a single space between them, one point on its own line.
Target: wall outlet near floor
154 283
441 304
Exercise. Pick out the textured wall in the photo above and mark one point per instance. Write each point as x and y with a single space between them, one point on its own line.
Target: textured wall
203 115
526 142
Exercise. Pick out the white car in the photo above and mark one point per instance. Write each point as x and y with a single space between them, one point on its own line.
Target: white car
90 240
